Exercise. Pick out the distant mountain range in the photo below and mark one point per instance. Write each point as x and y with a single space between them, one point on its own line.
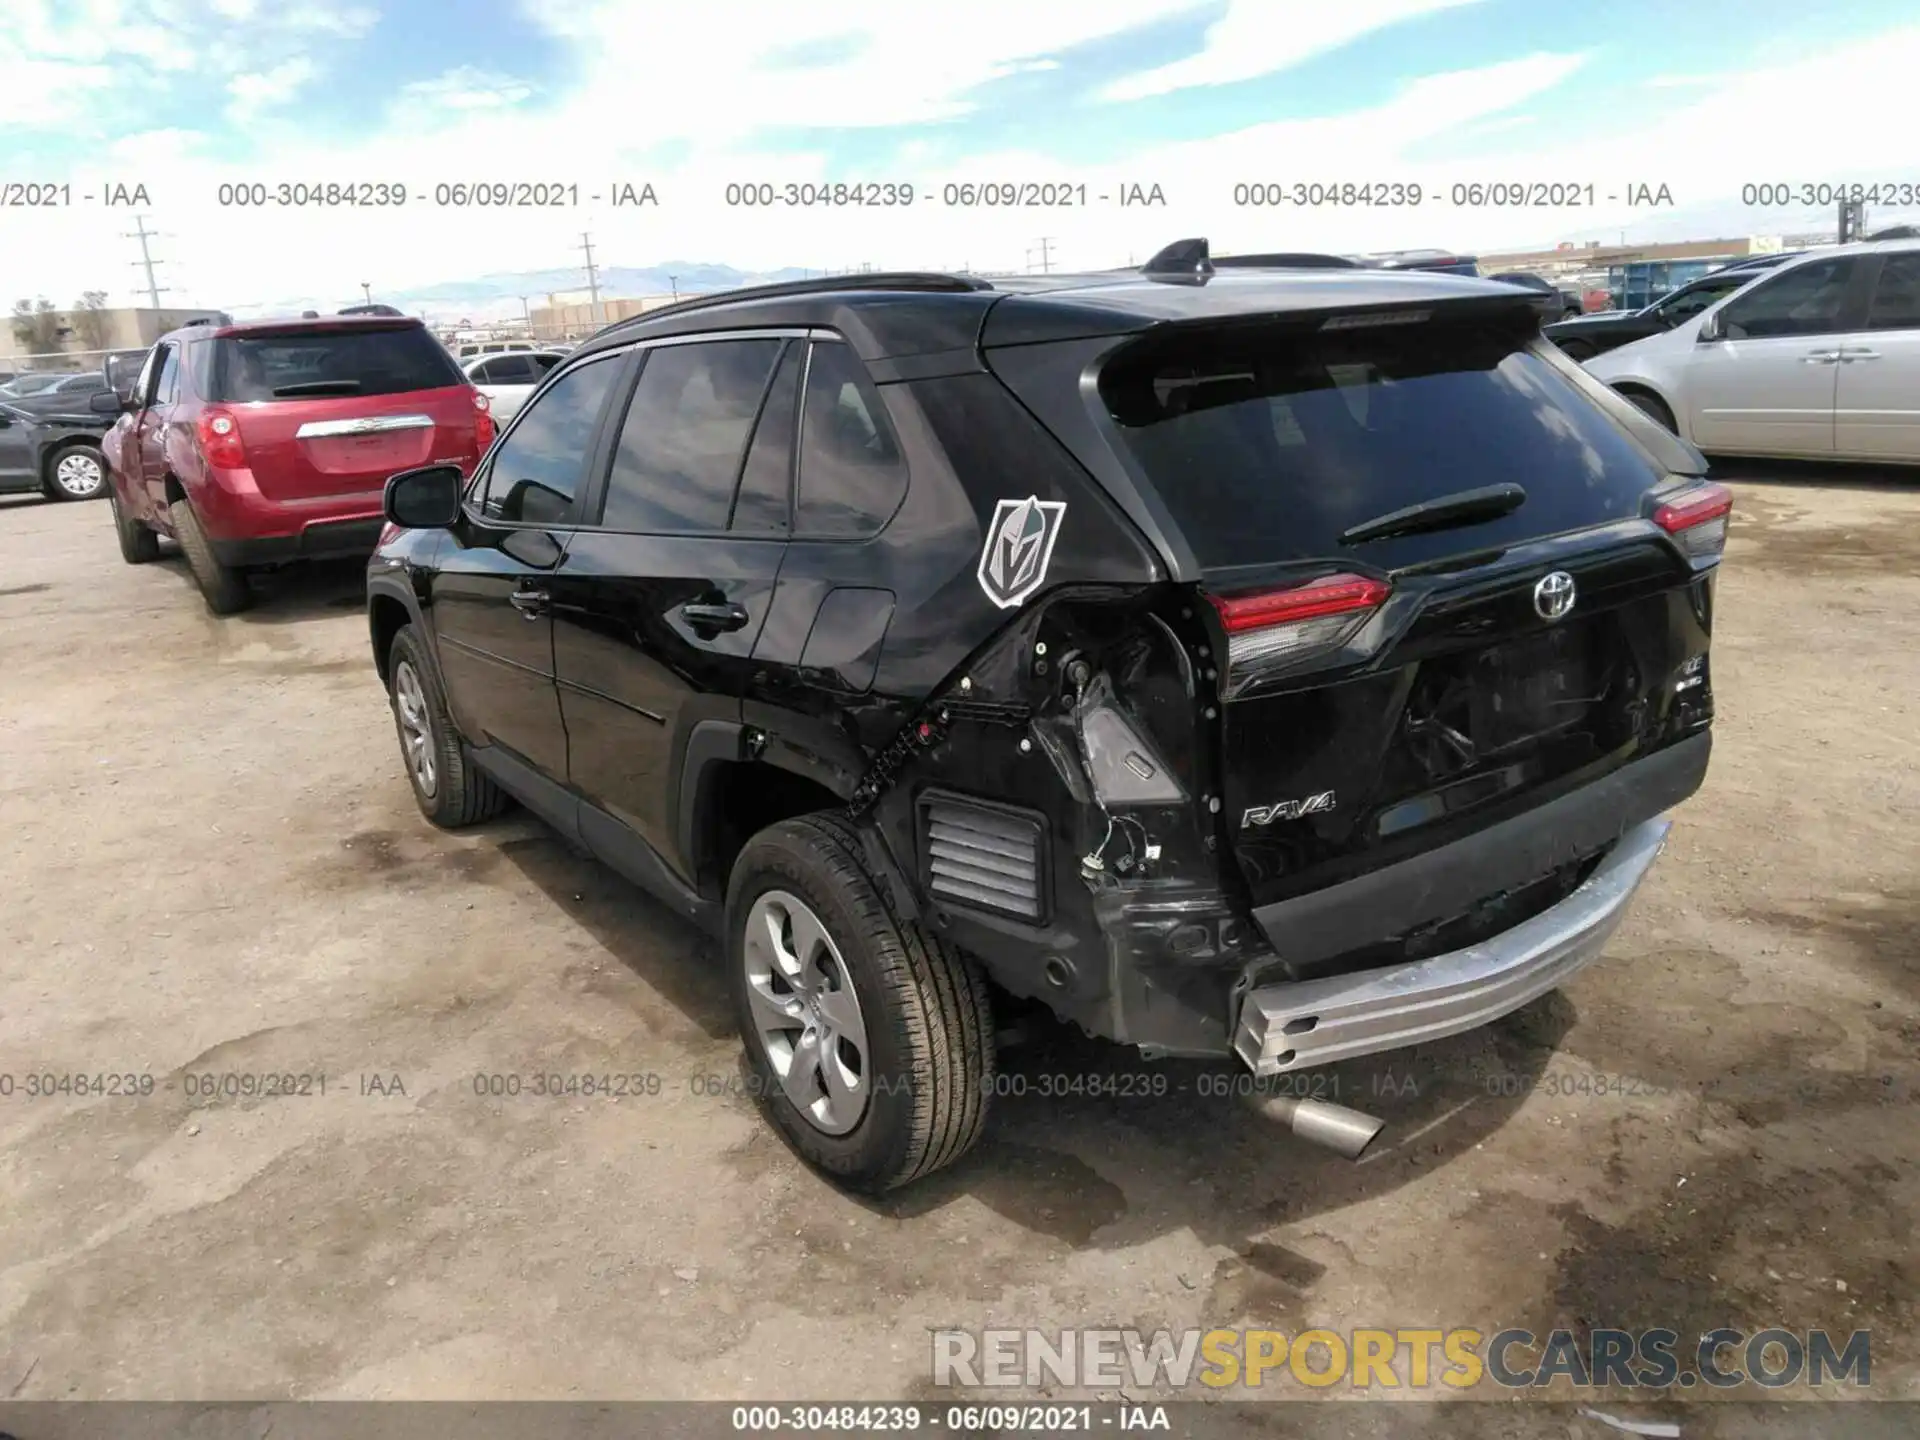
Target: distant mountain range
498 296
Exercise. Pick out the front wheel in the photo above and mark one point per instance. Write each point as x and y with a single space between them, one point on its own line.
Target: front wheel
138 544
1654 408
449 789
869 1042
79 472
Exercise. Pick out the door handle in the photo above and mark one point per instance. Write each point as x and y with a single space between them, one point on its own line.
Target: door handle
1847 355
531 604
703 615
1821 357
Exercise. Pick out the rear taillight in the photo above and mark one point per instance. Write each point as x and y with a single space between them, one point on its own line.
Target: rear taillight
219 434
1697 518
1278 629
483 427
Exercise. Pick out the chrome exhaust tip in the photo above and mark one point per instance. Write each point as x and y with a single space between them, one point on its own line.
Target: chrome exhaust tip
1343 1131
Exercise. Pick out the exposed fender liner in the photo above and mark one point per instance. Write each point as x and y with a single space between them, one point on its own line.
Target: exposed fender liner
711 743
1328 922
392 585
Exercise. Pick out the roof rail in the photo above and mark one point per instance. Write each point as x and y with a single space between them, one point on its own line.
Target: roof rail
1286 260
927 281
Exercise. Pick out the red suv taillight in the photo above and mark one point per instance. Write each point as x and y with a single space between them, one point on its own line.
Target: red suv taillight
219 434
1277 629
483 427
1697 518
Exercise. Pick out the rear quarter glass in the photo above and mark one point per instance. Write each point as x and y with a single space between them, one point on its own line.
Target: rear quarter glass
1266 443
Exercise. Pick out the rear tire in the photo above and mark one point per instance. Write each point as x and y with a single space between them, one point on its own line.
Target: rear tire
138 544
221 586
450 790
925 1052
1653 407
76 472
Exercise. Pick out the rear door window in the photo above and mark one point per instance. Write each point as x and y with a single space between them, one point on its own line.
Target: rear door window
766 482
852 477
331 362
1896 294
685 436
1267 445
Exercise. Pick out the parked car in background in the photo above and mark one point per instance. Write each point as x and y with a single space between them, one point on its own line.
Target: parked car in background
1818 358
467 349
32 383
55 451
265 442
1232 679
65 393
1570 303
1584 336
506 380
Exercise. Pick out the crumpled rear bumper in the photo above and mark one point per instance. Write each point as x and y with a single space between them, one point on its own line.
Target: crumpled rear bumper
1297 1026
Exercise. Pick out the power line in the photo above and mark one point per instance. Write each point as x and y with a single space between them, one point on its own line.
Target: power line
593 276
146 260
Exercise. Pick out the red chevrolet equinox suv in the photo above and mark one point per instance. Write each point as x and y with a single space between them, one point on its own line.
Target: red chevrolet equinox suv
260 443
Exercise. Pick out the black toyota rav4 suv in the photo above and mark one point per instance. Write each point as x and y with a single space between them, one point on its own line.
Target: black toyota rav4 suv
1289 664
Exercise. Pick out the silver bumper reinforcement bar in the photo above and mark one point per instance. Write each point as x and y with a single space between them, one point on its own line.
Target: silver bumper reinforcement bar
1309 1023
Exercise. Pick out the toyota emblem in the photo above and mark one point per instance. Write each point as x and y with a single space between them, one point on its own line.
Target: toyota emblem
1553 595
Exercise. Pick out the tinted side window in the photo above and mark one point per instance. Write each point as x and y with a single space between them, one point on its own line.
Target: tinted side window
1807 300
543 363
852 478
1691 302
1896 294
512 370
143 388
766 484
164 390
685 435
539 466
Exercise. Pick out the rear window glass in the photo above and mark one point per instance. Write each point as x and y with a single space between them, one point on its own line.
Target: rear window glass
1266 445
340 362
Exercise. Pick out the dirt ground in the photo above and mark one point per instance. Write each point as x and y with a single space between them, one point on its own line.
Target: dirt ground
212 866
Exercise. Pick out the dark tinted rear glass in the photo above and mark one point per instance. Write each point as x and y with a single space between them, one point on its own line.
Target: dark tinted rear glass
341 362
1265 445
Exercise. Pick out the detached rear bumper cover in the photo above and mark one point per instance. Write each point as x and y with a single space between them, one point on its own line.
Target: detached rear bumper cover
1385 1009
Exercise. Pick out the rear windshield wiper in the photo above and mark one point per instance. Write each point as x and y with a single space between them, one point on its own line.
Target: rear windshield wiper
318 387
1464 507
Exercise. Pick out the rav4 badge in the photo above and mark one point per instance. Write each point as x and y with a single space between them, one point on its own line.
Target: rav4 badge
1013 563
1289 809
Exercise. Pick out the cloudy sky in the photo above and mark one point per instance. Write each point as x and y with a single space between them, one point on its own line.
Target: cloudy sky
184 96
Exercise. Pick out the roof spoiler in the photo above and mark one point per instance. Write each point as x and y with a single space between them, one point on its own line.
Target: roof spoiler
1187 259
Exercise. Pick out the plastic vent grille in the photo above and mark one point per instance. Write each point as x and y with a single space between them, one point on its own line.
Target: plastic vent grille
983 857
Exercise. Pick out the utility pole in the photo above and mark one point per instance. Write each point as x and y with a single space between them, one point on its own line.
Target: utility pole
593 277
1045 247
366 292
527 314
673 284
142 234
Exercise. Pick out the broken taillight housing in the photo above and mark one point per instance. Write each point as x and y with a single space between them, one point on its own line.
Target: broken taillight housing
1279 629
1697 518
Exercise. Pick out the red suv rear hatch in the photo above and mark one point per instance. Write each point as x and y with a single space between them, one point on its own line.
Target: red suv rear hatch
335 410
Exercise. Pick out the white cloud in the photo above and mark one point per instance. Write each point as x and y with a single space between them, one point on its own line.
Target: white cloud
641 86
1254 38
262 89
466 88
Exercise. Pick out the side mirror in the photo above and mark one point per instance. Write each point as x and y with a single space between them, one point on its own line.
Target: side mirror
424 499
1711 329
105 402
